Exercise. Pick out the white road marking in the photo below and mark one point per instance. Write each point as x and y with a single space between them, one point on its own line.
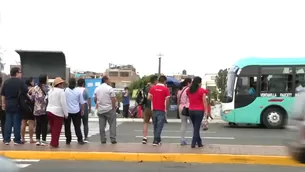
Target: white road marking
25 160
175 131
178 137
23 165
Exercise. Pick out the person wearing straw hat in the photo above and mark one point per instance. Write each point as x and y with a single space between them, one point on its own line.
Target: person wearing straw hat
57 110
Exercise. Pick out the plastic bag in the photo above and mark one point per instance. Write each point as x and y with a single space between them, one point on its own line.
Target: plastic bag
205 124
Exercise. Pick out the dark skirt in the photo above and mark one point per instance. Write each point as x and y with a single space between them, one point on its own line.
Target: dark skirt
28 116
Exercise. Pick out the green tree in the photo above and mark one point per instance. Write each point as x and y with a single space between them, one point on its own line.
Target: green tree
221 81
214 95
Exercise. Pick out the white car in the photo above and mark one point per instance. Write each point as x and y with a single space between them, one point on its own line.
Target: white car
7 165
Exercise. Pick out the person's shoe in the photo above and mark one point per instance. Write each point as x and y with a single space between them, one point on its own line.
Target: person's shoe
43 143
68 142
81 142
86 140
144 140
200 145
104 142
7 143
18 143
183 143
114 142
38 143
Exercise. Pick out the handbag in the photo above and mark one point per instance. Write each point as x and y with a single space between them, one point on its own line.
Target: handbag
185 110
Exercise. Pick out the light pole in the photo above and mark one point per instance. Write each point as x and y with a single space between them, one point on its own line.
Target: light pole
159 65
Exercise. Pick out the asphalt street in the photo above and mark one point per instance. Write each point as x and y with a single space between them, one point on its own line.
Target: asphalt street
130 132
97 166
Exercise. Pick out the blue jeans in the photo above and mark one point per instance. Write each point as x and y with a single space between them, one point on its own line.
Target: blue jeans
12 120
158 119
196 118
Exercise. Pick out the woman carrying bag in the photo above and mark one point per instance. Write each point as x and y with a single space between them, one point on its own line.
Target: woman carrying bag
183 105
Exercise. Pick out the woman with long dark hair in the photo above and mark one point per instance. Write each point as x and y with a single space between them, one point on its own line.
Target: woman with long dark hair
197 109
183 102
28 117
39 95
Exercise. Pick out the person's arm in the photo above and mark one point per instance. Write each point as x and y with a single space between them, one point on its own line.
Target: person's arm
63 103
24 88
3 96
126 93
204 100
95 96
150 94
113 99
89 104
167 96
82 103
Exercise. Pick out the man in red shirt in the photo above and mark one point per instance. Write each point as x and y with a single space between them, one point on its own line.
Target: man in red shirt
159 94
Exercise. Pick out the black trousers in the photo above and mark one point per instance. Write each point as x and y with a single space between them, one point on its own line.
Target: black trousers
125 110
2 120
76 120
41 127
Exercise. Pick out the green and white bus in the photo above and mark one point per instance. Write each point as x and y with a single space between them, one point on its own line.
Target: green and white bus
262 90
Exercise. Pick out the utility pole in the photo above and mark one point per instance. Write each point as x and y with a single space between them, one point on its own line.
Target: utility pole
159 66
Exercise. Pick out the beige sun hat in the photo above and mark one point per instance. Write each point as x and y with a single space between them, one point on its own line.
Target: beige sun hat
57 81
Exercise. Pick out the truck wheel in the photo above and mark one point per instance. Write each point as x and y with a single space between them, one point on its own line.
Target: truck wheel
274 118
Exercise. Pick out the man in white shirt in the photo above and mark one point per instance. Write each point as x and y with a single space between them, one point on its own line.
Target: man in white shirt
104 96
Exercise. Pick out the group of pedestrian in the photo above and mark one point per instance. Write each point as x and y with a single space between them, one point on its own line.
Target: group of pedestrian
57 105
24 104
192 106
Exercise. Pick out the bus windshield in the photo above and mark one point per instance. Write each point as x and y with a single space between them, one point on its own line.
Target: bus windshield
229 90
228 94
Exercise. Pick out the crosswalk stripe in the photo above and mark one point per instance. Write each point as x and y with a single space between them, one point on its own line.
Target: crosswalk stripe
23 165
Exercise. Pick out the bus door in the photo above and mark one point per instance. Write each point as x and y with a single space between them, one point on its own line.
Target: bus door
246 93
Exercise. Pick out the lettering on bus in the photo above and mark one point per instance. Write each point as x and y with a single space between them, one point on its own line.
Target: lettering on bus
274 94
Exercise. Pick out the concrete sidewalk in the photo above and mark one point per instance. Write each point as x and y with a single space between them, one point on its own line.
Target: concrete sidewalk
228 154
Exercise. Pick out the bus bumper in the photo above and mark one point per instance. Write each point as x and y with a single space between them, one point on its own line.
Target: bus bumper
228 116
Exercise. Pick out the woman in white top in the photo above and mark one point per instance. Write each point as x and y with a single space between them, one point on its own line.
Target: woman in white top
57 110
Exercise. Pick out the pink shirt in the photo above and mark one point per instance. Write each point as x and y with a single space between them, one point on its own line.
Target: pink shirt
184 100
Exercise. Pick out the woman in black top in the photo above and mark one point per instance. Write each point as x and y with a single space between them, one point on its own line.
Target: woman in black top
28 118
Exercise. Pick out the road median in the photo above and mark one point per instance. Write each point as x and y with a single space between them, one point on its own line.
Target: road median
222 154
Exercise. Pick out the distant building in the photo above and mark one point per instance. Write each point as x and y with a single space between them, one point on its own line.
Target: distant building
86 74
209 81
182 76
122 75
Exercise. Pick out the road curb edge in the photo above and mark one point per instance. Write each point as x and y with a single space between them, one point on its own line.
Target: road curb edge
153 157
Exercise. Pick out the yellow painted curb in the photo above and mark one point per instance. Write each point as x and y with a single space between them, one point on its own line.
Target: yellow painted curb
153 157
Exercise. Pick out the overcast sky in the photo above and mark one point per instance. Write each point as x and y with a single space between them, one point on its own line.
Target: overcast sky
200 36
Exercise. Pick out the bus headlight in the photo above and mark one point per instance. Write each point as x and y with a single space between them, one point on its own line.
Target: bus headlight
227 112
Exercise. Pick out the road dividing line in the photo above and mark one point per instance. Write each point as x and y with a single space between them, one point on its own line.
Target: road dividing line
179 137
23 165
175 131
26 160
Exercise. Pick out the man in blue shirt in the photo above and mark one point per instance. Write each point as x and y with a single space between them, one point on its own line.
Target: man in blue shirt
10 104
126 102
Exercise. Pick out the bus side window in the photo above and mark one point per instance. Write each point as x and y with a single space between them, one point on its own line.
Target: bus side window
247 85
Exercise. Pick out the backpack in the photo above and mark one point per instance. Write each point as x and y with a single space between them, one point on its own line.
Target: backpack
24 101
139 98
145 95
46 96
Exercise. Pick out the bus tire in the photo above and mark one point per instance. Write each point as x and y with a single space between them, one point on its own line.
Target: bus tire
274 118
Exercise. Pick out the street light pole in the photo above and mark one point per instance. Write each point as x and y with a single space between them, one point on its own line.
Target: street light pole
159 65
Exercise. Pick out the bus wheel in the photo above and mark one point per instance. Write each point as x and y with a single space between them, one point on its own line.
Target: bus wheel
274 118
232 124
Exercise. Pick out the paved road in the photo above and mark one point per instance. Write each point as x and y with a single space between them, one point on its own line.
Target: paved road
97 166
217 134
93 130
